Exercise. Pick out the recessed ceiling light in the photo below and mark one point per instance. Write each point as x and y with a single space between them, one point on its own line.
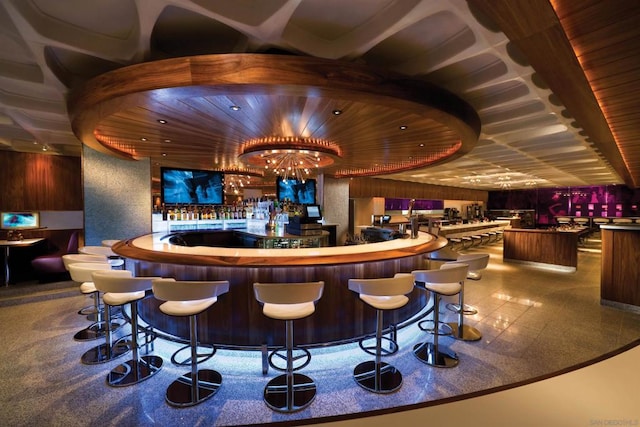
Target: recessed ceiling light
143 139
164 154
403 127
337 112
162 121
167 140
235 108
421 145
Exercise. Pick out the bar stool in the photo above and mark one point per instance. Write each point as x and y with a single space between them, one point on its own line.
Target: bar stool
114 259
107 351
476 263
82 273
445 281
92 310
190 298
290 391
120 290
381 294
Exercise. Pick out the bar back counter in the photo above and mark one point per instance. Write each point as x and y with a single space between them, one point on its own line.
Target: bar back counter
237 320
620 269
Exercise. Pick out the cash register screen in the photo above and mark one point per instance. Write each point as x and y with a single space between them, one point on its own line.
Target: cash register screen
313 212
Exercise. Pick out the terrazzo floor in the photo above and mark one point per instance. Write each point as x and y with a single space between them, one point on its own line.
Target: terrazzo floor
534 322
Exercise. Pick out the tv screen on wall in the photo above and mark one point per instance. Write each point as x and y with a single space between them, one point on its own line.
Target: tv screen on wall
20 220
191 186
296 191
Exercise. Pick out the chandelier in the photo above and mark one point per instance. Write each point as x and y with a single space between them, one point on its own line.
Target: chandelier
290 157
504 182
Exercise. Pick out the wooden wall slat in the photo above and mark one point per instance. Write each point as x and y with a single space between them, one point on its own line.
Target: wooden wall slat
376 187
40 182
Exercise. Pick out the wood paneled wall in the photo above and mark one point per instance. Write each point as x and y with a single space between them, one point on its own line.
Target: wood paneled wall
40 182
376 187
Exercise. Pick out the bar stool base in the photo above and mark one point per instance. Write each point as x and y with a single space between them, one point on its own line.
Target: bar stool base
202 357
126 373
95 331
181 392
389 380
104 353
282 397
440 357
468 310
467 333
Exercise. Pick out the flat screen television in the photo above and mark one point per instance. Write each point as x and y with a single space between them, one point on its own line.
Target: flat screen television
296 191
20 220
191 186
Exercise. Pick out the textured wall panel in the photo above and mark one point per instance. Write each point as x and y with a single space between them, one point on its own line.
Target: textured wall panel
117 197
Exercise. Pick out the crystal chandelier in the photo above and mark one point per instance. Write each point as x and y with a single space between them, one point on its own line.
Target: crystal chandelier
504 182
290 157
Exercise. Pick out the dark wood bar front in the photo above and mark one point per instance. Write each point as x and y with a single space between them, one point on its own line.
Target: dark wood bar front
237 319
552 247
620 272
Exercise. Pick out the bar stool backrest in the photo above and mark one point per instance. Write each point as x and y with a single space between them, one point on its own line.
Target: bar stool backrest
167 289
97 250
448 273
288 293
120 282
82 271
400 284
474 261
69 259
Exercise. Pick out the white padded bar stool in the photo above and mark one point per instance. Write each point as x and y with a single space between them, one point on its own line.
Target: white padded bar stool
382 294
81 273
106 351
120 290
289 392
114 259
445 281
94 310
461 331
190 298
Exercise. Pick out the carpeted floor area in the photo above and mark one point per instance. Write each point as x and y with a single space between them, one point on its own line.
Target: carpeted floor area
534 322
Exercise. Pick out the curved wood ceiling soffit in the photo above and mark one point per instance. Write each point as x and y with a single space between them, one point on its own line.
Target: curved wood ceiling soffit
387 123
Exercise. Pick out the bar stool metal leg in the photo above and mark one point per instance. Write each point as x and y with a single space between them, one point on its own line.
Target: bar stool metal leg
197 385
106 351
431 353
138 368
289 392
97 329
459 330
378 376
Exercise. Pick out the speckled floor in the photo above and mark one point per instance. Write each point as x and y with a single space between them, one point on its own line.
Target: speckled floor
534 322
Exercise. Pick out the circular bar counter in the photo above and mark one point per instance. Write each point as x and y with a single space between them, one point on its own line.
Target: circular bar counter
236 320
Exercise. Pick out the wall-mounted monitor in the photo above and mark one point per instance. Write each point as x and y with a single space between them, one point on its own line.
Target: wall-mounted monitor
20 220
296 191
191 186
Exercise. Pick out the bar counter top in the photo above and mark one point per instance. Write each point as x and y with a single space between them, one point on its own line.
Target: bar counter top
157 248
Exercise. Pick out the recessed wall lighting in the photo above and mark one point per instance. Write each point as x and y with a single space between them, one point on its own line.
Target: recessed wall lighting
162 121
235 108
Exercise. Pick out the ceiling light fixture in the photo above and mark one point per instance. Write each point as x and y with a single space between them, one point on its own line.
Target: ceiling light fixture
235 107
291 157
504 182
